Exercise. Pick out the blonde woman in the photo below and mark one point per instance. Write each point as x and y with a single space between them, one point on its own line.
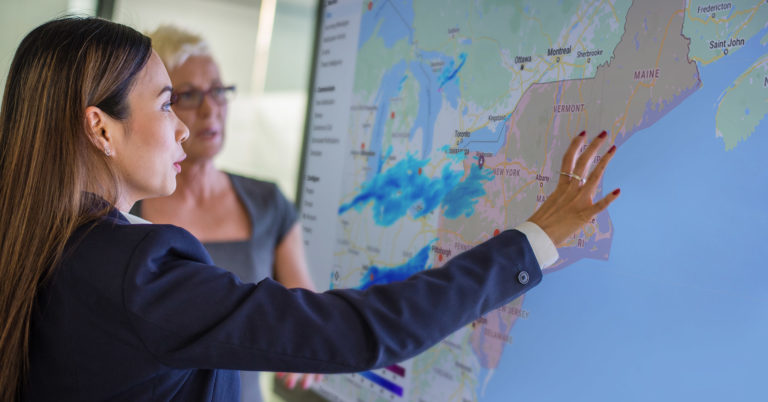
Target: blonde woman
247 225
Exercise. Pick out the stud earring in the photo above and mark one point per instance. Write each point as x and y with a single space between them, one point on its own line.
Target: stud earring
107 151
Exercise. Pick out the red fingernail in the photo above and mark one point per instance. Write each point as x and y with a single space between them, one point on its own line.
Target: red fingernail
617 191
603 134
583 133
613 148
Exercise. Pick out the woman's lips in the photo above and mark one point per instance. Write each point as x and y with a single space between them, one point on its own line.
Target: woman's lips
208 134
177 164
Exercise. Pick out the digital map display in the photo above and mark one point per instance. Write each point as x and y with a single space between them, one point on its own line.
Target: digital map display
436 124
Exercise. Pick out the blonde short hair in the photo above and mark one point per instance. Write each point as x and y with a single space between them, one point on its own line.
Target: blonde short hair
175 45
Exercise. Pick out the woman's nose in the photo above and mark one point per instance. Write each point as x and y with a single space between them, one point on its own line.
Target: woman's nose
207 107
182 131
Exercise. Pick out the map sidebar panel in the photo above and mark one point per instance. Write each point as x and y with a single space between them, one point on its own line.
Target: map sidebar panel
436 124
327 139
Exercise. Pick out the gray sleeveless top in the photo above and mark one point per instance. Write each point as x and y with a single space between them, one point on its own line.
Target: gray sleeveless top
252 260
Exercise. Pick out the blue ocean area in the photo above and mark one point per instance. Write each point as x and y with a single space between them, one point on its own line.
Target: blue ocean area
391 19
382 275
679 312
401 189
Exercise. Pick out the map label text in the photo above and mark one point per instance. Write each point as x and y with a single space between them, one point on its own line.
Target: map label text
559 51
497 118
569 108
523 59
589 53
464 151
442 251
648 74
733 42
462 134
711 8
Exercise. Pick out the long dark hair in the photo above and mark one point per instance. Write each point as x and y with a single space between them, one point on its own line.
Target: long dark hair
48 165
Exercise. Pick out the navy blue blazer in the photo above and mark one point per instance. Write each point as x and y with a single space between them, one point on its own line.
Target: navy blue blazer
138 312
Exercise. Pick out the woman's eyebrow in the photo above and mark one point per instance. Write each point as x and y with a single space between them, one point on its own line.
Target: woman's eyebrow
165 89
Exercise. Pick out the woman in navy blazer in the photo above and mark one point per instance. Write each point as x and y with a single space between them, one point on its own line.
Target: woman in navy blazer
93 307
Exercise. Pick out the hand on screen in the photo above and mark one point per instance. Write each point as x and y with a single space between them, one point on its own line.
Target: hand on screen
306 380
570 206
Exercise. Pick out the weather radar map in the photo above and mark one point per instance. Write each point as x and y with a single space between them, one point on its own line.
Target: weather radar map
435 125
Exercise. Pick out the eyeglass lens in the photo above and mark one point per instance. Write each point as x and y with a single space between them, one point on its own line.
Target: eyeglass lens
193 98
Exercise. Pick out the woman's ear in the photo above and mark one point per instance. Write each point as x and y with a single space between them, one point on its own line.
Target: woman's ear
99 126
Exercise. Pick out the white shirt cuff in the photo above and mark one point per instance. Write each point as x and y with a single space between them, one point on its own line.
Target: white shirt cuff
543 247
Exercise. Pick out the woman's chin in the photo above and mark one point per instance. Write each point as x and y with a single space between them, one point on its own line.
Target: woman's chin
167 190
171 188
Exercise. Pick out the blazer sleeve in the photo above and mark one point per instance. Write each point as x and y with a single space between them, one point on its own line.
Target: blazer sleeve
190 314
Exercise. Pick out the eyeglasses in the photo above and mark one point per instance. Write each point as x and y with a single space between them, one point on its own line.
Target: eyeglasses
193 98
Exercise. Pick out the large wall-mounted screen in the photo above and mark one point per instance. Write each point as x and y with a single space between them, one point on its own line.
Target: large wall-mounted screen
435 124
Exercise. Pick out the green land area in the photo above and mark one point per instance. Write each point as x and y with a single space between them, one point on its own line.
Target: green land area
743 105
490 36
717 30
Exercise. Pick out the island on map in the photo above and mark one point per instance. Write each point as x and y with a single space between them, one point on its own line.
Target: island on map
744 105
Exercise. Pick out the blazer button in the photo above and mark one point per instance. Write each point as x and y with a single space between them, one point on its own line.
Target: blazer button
523 277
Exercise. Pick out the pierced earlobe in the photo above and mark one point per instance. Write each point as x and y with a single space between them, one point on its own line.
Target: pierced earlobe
107 151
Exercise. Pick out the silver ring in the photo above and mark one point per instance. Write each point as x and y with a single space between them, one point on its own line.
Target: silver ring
574 176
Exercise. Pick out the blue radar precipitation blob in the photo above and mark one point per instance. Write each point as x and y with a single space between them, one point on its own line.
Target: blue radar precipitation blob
400 188
461 199
449 72
382 275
